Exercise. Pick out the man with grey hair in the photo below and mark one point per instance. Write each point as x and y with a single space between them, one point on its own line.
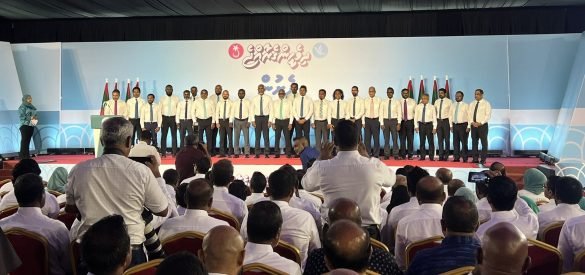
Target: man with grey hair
114 184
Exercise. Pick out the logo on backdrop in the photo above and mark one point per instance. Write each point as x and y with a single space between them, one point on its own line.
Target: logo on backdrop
236 50
258 54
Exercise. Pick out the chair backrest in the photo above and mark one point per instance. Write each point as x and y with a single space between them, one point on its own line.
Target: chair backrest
464 270
379 245
260 269
227 217
66 218
417 246
186 241
75 255
579 262
545 258
551 233
5 181
54 193
32 249
8 212
148 268
3 193
288 251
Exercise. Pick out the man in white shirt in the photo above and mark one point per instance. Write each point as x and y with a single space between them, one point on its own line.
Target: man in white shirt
568 193
549 193
298 228
572 241
199 197
168 107
423 223
349 175
242 116
443 108
194 98
115 106
407 107
106 246
222 174
224 120
115 184
134 106
337 109
460 127
143 147
261 110
215 98
258 185
223 251
204 111
480 112
30 194
263 229
303 112
390 119
371 122
151 118
184 117
321 119
502 195
281 119
425 118
291 97
355 110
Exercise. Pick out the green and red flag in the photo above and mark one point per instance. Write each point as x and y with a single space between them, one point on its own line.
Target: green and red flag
435 90
105 97
447 94
128 94
410 90
421 89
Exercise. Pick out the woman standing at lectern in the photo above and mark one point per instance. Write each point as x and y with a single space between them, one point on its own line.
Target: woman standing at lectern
28 120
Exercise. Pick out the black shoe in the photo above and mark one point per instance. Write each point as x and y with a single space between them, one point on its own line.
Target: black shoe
288 156
410 158
456 160
222 156
465 160
432 159
421 159
482 162
257 156
398 158
247 156
474 161
229 156
277 156
236 156
266 156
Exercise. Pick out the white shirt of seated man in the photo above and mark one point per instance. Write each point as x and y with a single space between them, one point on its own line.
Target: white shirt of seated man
568 193
50 208
222 174
572 241
198 197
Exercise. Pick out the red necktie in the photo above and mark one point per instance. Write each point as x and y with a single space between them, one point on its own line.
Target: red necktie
115 107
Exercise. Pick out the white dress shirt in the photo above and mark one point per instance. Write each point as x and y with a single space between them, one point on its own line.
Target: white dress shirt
355 108
229 203
350 175
308 206
168 105
114 184
371 108
141 149
445 111
421 224
321 111
204 108
528 224
266 102
395 112
460 113
485 210
281 109
110 108
264 254
215 98
298 229
429 115
342 109
484 111
547 206
131 109
246 111
410 106
291 97
255 197
401 211
224 110
312 198
572 241
560 213
57 235
50 209
307 106
192 220
181 114
145 114
540 198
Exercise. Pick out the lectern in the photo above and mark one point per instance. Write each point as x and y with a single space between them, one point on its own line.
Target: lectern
96 125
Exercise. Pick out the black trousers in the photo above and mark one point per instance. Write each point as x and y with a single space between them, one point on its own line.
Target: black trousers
226 132
334 123
293 129
390 126
460 136
304 130
358 126
168 123
281 128
407 138
479 134
151 127
26 133
205 126
214 140
185 129
372 130
321 133
444 137
425 133
261 129
136 131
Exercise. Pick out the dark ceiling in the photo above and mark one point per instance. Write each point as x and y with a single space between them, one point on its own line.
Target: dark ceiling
52 9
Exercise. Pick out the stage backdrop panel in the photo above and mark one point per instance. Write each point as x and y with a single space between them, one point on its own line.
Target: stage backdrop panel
10 100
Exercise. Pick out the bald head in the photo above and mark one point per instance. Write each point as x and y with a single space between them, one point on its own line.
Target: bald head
347 245
430 190
347 209
444 175
199 194
453 186
223 250
504 250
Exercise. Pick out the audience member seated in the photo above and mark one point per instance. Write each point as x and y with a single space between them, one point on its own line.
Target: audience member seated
411 206
466 193
58 183
504 251
143 147
499 168
258 185
549 193
502 196
424 222
304 151
25 166
105 246
171 177
303 200
453 186
571 239
30 194
222 174
400 181
534 182
399 196
485 210
202 170
347 245
188 157
199 197
182 263
223 251
264 224
180 198
239 189
337 176
344 209
298 228
459 248
568 193
102 186
445 176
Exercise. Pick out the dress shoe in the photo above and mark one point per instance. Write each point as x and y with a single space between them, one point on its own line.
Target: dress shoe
222 156
398 158
386 157
475 161
431 159
410 158
247 156
229 156
236 156
464 161
277 156
266 156
422 159
482 162
288 156
456 160
257 156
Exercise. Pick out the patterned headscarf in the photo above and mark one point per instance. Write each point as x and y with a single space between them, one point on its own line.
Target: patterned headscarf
58 180
534 181
466 193
26 104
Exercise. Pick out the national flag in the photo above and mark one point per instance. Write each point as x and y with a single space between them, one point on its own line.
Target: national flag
435 90
116 84
105 97
421 89
410 90
128 95
447 87
137 83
